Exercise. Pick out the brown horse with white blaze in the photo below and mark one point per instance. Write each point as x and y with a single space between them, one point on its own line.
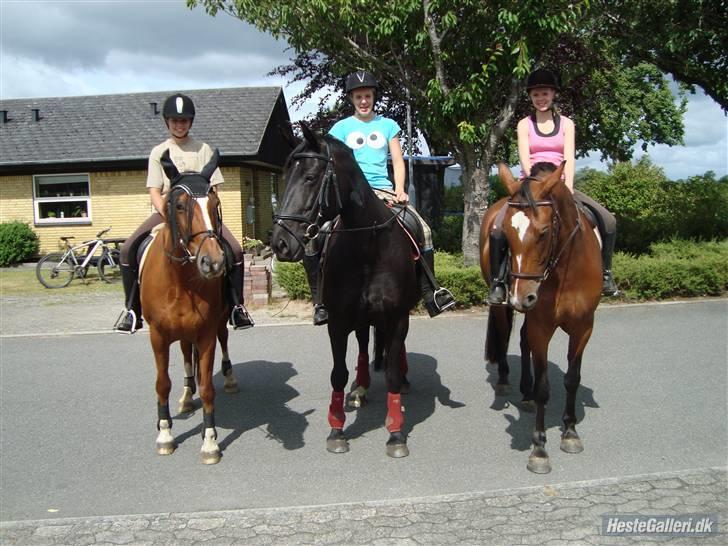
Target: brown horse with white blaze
555 280
182 295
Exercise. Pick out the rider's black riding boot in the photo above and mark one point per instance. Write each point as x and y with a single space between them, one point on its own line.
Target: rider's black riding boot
239 317
311 265
609 287
435 297
131 318
498 248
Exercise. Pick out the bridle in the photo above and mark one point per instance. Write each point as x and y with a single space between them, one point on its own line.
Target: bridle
556 220
314 221
186 238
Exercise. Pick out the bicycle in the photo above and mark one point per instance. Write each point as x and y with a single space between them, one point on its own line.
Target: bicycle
57 269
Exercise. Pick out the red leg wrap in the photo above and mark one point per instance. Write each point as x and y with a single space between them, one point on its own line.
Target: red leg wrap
336 410
403 361
395 418
362 370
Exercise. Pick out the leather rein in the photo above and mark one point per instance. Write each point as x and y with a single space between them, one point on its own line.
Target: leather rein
185 239
314 221
554 256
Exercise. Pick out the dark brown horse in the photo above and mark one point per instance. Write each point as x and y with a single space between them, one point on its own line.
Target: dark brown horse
555 279
369 276
182 297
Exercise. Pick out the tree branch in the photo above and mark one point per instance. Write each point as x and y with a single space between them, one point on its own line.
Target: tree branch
436 41
505 117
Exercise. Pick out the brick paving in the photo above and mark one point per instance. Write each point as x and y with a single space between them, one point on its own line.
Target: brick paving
552 514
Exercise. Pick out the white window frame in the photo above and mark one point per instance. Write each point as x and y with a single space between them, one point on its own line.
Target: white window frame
37 201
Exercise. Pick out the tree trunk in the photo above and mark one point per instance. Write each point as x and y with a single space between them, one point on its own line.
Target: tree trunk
475 193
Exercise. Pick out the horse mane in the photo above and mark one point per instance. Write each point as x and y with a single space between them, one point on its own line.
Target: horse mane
350 167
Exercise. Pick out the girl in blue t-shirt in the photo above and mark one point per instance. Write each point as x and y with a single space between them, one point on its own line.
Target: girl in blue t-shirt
372 139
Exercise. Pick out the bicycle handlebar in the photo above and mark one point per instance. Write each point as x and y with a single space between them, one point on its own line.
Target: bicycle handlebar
100 233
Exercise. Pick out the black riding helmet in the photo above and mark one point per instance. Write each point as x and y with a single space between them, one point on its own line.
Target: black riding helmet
542 78
178 106
358 79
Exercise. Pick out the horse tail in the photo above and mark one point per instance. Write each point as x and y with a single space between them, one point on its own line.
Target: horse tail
500 324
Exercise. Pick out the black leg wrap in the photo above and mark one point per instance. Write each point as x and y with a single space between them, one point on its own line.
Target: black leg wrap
163 414
226 366
190 382
208 421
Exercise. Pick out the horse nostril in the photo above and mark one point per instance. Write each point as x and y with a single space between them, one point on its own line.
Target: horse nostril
530 301
282 246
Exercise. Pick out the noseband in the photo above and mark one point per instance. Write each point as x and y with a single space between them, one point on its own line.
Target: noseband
315 219
554 256
185 239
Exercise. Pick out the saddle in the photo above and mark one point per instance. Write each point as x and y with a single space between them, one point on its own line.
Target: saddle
411 226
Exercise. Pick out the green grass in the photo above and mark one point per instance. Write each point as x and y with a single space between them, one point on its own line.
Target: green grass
21 281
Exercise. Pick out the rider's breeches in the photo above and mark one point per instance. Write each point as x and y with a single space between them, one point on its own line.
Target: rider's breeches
606 224
426 232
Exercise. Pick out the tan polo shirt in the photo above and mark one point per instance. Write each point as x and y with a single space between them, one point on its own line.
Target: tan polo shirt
192 156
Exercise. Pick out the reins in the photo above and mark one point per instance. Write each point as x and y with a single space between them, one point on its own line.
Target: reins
184 240
315 220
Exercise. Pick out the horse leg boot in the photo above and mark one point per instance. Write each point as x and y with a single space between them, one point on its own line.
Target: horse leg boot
311 265
239 317
436 298
130 319
497 250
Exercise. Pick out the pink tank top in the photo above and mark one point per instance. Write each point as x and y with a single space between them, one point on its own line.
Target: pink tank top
545 147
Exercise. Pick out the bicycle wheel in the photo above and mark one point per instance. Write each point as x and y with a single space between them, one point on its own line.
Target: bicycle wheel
53 271
108 265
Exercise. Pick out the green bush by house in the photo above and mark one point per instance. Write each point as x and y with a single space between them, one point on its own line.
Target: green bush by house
17 243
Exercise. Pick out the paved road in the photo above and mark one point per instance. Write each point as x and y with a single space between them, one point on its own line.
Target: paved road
78 432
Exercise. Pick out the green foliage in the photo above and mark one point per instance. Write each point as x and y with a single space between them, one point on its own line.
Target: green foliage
650 208
448 236
453 201
674 269
291 277
17 243
465 283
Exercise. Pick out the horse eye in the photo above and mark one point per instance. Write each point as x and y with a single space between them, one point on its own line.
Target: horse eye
180 207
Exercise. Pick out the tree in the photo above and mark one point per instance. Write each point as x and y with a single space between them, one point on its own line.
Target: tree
463 63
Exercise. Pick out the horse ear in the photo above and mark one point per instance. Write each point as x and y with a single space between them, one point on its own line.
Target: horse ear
310 137
506 176
286 131
553 178
208 169
170 169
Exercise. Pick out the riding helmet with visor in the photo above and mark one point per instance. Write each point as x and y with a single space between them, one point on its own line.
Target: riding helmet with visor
359 79
542 78
178 106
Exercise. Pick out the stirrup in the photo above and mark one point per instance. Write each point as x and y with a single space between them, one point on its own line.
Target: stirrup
248 321
492 301
320 315
121 320
447 297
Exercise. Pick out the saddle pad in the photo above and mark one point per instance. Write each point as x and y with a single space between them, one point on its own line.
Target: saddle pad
144 247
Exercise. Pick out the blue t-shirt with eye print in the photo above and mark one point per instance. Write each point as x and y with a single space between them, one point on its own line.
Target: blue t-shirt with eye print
370 142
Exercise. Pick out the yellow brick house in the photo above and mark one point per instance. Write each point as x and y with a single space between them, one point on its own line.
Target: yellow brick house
72 166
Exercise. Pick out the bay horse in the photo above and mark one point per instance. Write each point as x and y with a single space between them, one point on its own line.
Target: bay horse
555 280
368 272
182 297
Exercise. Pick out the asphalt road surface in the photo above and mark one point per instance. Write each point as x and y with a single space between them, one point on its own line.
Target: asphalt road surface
79 414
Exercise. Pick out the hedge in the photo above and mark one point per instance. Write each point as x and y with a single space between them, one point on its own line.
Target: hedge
17 243
671 269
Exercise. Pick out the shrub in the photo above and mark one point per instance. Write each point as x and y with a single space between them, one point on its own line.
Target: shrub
448 237
291 277
674 269
17 243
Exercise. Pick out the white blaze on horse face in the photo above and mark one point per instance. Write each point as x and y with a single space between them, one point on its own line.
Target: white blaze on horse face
202 202
520 222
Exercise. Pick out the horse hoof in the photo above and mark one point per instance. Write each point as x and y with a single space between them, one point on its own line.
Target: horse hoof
166 448
186 407
529 406
502 389
230 385
356 401
337 442
232 389
397 451
212 457
539 465
571 443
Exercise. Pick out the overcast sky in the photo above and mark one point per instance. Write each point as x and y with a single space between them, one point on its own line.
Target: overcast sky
54 48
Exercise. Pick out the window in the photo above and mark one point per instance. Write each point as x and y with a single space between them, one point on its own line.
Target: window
62 198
